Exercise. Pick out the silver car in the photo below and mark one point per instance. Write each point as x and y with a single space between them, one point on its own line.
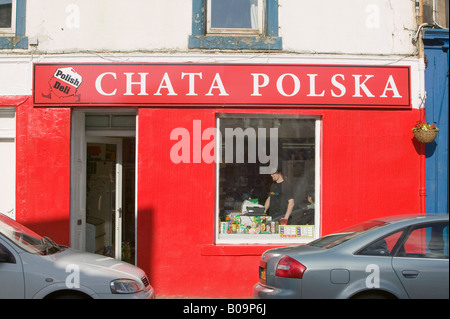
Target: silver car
32 266
395 257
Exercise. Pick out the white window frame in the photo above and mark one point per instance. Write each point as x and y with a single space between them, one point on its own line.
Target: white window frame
259 29
12 29
8 162
237 239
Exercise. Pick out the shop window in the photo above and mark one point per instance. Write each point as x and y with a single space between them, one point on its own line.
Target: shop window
235 24
12 24
250 148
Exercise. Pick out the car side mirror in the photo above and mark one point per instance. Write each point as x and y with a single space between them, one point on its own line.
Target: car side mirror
3 257
6 257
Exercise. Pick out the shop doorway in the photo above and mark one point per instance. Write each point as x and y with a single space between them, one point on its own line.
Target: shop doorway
103 184
104 196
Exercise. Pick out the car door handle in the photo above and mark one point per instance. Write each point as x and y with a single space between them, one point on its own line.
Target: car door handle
410 273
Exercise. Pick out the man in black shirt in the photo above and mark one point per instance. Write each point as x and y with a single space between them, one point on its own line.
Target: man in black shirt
281 198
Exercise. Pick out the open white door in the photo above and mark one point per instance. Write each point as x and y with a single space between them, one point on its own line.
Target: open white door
78 183
104 196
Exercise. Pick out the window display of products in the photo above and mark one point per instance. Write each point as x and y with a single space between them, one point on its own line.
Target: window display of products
297 231
235 223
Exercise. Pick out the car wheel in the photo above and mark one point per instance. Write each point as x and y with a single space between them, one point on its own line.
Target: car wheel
374 295
67 295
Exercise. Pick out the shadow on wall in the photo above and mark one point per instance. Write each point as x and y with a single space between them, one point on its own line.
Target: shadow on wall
428 150
58 229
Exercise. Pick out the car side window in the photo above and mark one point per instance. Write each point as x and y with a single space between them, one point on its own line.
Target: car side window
6 256
382 247
426 241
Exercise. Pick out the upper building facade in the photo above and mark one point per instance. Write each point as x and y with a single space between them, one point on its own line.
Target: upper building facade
300 27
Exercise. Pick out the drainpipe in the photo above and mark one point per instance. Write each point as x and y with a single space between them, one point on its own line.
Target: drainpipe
422 176
422 187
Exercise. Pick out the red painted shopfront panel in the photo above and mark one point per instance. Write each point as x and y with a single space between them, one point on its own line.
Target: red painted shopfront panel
370 168
175 207
43 170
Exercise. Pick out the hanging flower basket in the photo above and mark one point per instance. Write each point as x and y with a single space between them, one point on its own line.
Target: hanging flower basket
424 132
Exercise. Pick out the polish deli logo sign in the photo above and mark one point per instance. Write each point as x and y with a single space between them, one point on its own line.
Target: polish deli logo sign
213 85
63 84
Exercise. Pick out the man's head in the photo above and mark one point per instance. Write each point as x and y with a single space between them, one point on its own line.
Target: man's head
276 175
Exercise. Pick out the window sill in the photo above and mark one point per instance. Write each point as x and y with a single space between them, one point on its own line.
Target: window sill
235 250
227 42
13 42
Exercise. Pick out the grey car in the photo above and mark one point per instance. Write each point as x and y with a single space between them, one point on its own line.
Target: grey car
394 257
34 267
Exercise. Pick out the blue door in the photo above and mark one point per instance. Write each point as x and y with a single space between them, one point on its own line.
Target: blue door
436 111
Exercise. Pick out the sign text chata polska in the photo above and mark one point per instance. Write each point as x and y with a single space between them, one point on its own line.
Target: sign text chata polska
224 85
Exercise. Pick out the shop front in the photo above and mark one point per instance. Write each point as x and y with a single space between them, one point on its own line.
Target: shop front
169 165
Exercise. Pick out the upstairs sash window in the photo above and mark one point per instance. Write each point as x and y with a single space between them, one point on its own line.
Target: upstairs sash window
235 16
7 18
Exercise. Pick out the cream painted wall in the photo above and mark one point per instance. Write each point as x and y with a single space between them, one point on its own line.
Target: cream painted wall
109 25
348 27
320 26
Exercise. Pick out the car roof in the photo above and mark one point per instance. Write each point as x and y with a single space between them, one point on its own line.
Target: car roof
412 217
388 224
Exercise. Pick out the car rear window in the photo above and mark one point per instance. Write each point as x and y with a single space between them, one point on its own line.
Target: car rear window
346 234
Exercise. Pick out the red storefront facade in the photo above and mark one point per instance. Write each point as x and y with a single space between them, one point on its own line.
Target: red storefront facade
362 158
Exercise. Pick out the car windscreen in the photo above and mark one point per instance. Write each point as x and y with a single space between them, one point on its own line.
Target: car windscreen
25 238
346 234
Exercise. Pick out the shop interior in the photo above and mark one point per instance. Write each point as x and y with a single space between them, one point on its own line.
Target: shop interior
110 189
101 206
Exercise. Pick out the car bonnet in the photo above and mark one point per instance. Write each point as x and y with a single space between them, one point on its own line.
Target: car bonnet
96 265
